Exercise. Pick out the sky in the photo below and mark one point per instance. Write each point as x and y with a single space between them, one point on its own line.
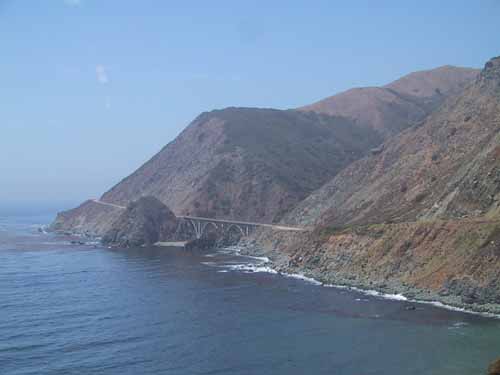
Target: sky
91 89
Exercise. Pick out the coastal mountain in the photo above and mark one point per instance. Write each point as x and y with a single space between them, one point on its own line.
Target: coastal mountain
247 163
400 104
257 164
444 167
237 163
423 214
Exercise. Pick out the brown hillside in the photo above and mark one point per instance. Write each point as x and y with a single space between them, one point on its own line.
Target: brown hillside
239 163
447 167
421 217
400 104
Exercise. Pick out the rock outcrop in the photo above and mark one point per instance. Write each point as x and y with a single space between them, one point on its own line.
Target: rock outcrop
143 223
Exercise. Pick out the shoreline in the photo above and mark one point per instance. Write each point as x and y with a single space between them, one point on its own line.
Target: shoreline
390 291
395 291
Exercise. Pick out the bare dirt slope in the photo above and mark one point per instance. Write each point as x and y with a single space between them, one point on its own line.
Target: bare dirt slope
398 105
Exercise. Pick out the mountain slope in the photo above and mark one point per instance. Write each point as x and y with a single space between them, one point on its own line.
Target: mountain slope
257 164
240 163
435 170
422 217
398 105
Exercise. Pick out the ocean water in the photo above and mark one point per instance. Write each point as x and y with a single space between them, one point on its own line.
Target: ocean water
67 309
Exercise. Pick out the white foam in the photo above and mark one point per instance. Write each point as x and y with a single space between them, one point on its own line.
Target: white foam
251 268
262 259
235 249
401 297
211 264
303 278
459 309
394 297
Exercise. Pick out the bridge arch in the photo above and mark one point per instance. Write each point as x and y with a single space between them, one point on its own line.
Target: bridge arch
235 227
225 227
208 224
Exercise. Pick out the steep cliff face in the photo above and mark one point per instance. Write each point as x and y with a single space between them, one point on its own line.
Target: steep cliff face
421 216
400 104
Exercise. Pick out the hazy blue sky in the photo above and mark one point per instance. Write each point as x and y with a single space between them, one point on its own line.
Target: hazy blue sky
90 89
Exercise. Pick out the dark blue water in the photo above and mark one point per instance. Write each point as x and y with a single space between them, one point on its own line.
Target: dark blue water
68 309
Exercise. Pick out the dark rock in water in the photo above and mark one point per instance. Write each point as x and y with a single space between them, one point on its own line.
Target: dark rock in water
208 241
144 222
494 368
410 308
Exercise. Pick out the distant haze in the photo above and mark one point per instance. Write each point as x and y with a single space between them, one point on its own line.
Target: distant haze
91 89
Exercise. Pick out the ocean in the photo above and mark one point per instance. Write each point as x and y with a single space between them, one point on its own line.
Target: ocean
85 309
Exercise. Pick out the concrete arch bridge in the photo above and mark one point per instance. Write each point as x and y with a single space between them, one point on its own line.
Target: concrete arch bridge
200 225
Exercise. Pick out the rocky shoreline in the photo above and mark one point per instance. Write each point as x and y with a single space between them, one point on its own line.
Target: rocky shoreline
280 262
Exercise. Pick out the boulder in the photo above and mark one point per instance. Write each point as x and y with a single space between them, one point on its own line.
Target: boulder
207 241
144 222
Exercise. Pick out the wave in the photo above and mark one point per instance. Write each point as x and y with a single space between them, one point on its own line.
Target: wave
262 259
303 278
370 292
250 268
211 264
